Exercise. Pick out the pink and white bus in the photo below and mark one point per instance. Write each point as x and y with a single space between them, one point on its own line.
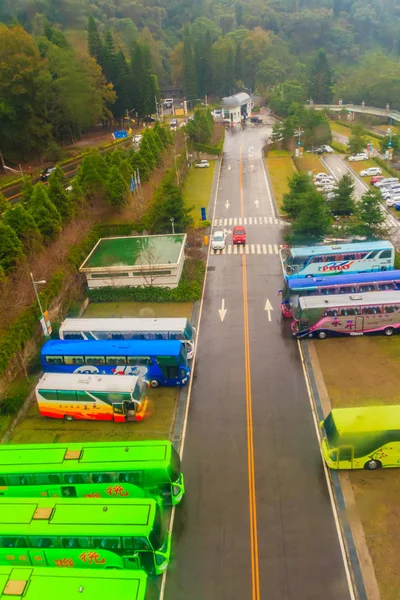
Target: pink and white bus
355 314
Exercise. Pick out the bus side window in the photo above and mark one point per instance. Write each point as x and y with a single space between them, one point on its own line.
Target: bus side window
70 543
101 478
392 308
3 481
74 360
73 336
328 291
21 480
372 254
115 360
43 542
73 478
330 313
66 395
139 360
54 360
386 254
95 360
135 477
383 287
141 543
13 542
107 543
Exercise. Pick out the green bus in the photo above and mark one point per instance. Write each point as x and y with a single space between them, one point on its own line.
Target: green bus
24 583
93 469
362 438
84 533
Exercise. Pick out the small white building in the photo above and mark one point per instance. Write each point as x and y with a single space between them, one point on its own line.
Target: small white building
149 260
234 108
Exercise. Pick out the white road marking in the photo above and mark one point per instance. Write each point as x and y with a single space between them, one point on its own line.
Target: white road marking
268 307
250 220
245 220
229 249
241 249
276 249
230 221
255 220
264 247
225 222
270 248
222 311
258 249
252 248
247 249
235 249
235 221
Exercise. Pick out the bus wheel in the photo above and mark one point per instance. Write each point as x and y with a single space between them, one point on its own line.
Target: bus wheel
68 417
154 383
389 331
321 335
372 465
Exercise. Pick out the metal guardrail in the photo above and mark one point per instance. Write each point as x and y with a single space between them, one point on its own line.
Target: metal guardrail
371 110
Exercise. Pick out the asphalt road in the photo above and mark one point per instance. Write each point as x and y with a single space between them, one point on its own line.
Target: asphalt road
256 522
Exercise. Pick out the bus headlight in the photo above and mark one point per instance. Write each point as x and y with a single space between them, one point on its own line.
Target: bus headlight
176 490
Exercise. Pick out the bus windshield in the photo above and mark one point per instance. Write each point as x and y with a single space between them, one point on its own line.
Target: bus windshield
157 534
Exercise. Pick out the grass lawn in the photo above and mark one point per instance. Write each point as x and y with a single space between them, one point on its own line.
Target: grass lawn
139 309
37 429
364 372
280 152
383 129
311 162
198 187
365 164
339 128
279 169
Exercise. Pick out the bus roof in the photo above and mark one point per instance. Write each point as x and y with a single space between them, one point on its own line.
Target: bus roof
312 282
340 248
83 516
83 457
93 383
45 583
348 299
112 347
122 324
367 419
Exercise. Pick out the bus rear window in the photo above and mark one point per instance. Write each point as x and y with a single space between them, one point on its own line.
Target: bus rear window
54 360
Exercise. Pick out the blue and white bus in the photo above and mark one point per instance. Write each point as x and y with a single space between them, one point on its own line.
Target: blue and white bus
159 362
356 283
340 259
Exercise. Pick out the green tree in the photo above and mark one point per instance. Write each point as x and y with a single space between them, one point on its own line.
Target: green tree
169 203
117 189
94 40
25 227
144 81
108 57
4 203
59 197
369 220
390 142
27 188
44 212
343 201
92 175
201 128
146 150
239 65
299 185
320 80
357 140
11 250
313 222
189 71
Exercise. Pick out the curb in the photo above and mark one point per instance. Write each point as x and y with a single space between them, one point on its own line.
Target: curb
351 551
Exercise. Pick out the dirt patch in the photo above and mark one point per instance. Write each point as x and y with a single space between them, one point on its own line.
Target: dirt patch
360 371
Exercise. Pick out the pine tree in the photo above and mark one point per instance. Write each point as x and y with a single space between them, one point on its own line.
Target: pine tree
92 175
59 197
343 201
320 79
11 250
44 212
4 203
25 227
229 72
357 140
109 58
117 189
144 81
369 218
94 41
208 64
169 203
189 72
122 82
312 222
299 185
239 64
146 150
27 188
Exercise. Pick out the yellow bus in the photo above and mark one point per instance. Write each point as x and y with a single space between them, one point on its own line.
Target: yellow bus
362 438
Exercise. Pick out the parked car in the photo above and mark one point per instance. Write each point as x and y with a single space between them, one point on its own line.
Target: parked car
326 181
256 120
203 164
327 148
218 240
358 157
149 120
46 173
137 138
376 179
239 235
318 151
330 196
329 188
321 176
173 122
393 200
371 171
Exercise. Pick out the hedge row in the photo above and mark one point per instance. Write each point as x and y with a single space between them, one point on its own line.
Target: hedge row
189 289
339 147
382 163
208 148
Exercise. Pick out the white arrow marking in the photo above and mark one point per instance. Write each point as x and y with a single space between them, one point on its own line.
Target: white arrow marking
227 204
229 167
227 231
257 203
252 167
222 311
268 307
251 148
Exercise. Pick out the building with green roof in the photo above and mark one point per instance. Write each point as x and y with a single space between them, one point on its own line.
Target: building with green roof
148 260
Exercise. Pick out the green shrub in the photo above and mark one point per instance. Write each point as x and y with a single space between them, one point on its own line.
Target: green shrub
339 147
188 290
15 397
73 310
203 224
382 163
208 148
396 259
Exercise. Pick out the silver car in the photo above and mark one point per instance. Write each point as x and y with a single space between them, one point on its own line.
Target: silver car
218 240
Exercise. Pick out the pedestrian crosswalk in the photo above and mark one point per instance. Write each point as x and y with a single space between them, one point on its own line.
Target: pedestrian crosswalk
232 221
249 249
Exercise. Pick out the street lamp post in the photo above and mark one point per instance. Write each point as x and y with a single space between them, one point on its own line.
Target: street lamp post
35 284
172 225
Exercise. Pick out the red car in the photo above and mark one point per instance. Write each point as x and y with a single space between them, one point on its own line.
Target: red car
376 179
239 235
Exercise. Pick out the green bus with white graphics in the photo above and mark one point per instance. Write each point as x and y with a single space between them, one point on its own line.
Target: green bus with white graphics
88 533
24 583
362 438
92 470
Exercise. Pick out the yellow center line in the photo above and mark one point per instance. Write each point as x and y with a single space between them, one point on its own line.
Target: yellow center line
255 577
241 183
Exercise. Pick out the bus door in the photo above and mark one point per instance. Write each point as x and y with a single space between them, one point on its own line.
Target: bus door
119 412
37 557
345 457
359 324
